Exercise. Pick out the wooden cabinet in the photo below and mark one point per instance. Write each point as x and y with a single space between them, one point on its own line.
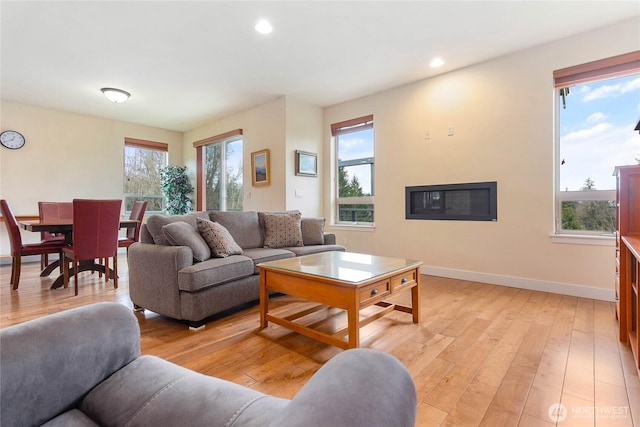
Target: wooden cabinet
628 256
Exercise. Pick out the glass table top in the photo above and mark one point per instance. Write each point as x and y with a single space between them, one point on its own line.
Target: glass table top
344 266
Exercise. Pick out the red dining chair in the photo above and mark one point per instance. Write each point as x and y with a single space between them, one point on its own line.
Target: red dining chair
133 233
95 235
55 211
18 249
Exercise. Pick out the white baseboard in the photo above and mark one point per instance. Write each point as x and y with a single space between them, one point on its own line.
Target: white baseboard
523 283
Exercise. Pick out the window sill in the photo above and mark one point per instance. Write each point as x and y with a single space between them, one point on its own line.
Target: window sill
353 227
579 239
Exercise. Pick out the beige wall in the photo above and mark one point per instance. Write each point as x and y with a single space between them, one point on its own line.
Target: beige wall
503 114
282 126
304 133
263 128
66 156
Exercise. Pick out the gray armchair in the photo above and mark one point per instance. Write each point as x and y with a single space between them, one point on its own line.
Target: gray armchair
83 367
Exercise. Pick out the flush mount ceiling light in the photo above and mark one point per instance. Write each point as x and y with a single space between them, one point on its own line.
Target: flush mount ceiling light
264 27
115 95
436 62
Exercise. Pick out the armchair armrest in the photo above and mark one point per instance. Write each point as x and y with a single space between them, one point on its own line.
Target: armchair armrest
153 276
50 363
358 387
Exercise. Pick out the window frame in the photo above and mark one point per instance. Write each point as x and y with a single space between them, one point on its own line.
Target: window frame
145 145
200 147
613 67
343 128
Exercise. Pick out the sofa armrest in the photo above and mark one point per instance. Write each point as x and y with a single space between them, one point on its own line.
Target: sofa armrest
153 276
358 387
329 239
50 363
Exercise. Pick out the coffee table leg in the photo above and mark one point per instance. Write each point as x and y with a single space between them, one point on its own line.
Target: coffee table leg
415 299
353 326
264 300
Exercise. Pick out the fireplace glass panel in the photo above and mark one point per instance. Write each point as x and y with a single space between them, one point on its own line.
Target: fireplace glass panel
472 202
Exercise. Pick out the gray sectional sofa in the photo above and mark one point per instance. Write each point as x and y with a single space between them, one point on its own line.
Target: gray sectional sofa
172 271
82 367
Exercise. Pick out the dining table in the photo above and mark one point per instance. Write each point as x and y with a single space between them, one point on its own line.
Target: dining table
65 227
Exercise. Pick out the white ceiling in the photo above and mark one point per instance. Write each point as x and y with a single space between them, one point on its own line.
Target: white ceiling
187 63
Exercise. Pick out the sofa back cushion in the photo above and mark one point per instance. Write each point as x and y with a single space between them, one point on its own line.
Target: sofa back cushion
312 231
243 226
156 222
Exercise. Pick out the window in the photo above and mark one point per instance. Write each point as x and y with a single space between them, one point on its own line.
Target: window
142 163
220 172
355 171
597 108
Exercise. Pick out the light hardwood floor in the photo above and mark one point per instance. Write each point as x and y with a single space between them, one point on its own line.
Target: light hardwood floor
483 355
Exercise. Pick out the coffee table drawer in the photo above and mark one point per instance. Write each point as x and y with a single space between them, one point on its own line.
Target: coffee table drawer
374 292
403 280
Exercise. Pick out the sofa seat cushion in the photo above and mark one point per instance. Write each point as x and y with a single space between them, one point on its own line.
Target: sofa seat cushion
214 271
156 222
160 393
259 255
314 249
73 418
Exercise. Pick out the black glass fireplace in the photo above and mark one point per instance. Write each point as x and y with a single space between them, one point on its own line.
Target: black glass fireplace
477 201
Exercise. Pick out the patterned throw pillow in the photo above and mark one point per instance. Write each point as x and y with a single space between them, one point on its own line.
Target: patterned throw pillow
282 230
218 238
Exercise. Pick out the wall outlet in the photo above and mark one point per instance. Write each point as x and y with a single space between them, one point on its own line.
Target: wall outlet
427 134
298 193
450 131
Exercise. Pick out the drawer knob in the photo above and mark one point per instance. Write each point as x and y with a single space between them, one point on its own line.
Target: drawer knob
374 291
404 280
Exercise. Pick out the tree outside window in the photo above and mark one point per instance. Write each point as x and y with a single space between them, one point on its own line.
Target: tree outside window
355 170
596 134
224 175
143 161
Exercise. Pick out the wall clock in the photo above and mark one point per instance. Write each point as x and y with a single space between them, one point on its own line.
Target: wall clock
12 139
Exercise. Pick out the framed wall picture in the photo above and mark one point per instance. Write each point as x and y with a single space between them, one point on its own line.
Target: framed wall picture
260 173
306 163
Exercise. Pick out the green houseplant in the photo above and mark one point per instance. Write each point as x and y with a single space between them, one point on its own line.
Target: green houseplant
177 189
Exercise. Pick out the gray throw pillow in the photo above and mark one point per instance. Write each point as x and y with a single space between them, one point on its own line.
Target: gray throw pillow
156 222
218 238
282 230
182 234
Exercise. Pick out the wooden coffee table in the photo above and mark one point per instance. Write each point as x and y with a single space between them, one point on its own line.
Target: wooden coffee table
349 281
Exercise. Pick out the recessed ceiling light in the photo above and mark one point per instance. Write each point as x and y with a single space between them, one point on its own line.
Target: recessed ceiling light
436 62
264 27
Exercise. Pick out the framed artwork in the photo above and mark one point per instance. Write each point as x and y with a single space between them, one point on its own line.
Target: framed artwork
306 163
260 174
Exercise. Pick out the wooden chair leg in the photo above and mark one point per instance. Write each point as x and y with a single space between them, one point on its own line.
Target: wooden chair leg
44 261
13 270
76 262
106 269
115 270
16 272
100 261
65 274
